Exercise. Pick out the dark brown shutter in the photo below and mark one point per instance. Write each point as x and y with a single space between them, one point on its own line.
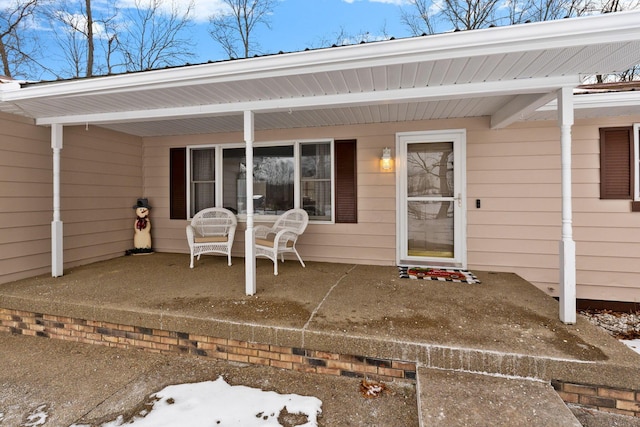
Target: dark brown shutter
616 163
178 183
346 181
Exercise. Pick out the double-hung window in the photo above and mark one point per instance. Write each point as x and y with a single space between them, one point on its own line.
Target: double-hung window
285 176
202 189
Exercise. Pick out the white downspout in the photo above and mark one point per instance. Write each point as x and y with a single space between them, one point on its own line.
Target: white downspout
57 251
249 243
567 244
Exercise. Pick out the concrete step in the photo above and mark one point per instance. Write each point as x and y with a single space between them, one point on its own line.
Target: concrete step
451 399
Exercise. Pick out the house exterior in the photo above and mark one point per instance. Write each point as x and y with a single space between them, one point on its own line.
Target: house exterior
500 162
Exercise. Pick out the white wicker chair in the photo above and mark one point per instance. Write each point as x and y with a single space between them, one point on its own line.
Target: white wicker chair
211 230
281 237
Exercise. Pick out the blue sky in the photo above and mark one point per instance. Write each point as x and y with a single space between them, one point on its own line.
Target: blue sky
295 26
298 24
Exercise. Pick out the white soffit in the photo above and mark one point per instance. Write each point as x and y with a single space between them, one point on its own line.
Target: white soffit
394 80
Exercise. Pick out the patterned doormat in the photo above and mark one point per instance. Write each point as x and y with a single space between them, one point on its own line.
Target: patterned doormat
441 274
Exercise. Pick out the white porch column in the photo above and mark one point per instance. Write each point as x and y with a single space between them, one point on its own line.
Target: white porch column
56 225
249 243
567 245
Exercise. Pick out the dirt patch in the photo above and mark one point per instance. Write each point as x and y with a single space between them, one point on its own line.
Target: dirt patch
522 329
249 309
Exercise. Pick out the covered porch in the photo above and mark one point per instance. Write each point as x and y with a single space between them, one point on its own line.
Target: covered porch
336 319
504 75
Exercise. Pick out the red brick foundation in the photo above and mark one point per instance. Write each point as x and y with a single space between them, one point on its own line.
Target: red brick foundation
617 401
162 341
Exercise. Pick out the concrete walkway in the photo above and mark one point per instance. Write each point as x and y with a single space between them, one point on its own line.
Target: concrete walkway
450 399
502 326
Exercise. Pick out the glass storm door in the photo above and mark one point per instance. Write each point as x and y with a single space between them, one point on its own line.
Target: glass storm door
431 203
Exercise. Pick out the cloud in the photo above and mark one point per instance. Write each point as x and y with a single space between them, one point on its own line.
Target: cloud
202 9
396 2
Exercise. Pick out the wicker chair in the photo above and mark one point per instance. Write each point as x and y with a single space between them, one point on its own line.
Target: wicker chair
281 237
211 230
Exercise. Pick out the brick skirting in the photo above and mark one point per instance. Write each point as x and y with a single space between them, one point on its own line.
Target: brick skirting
163 341
619 401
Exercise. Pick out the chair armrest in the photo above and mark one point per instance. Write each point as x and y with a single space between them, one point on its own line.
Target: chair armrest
231 232
191 232
285 235
262 231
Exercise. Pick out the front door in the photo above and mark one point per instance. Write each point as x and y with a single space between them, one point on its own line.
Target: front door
431 200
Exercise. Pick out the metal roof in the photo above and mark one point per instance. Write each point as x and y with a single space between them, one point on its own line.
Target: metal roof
506 73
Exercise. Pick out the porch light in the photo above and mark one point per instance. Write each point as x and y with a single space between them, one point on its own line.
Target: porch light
386 162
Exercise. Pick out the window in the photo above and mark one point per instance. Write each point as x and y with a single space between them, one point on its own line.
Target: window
619 163
308 175
273 179
315 180
203 181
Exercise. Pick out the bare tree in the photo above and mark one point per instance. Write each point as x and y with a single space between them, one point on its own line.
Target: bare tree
90 40
342 37
71 36
153 38
424 16
430 16
80 32
233 29
16 53
420 21
470 14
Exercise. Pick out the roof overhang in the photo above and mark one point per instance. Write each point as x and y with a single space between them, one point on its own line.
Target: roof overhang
507 73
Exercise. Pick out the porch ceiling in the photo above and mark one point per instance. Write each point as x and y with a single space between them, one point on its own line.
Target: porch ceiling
505 73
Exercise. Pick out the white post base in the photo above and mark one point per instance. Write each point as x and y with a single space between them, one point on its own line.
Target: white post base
56 249
568 281
249 263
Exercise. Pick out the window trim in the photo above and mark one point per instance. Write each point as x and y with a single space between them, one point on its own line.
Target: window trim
189 181
219 184
636 162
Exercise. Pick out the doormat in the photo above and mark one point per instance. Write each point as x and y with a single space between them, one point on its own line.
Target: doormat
441 274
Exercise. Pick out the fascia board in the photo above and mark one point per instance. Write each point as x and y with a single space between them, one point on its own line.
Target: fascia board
599 100
469 90
582 31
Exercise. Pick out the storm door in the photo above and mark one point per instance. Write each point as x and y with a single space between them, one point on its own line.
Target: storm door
431 200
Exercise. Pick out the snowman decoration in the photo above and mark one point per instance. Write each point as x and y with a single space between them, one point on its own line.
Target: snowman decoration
142 227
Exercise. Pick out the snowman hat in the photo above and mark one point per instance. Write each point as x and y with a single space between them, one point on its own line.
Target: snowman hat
142 203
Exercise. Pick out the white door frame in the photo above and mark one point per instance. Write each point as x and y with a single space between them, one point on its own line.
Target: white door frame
459 139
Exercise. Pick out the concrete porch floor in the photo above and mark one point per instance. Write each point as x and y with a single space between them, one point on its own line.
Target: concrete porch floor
449 332
502 326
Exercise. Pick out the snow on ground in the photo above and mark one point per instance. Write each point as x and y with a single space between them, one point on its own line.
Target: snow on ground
216 403
632 344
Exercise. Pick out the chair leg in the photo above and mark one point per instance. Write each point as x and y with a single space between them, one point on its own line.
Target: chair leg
229 258
191 264
275 265
299 258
